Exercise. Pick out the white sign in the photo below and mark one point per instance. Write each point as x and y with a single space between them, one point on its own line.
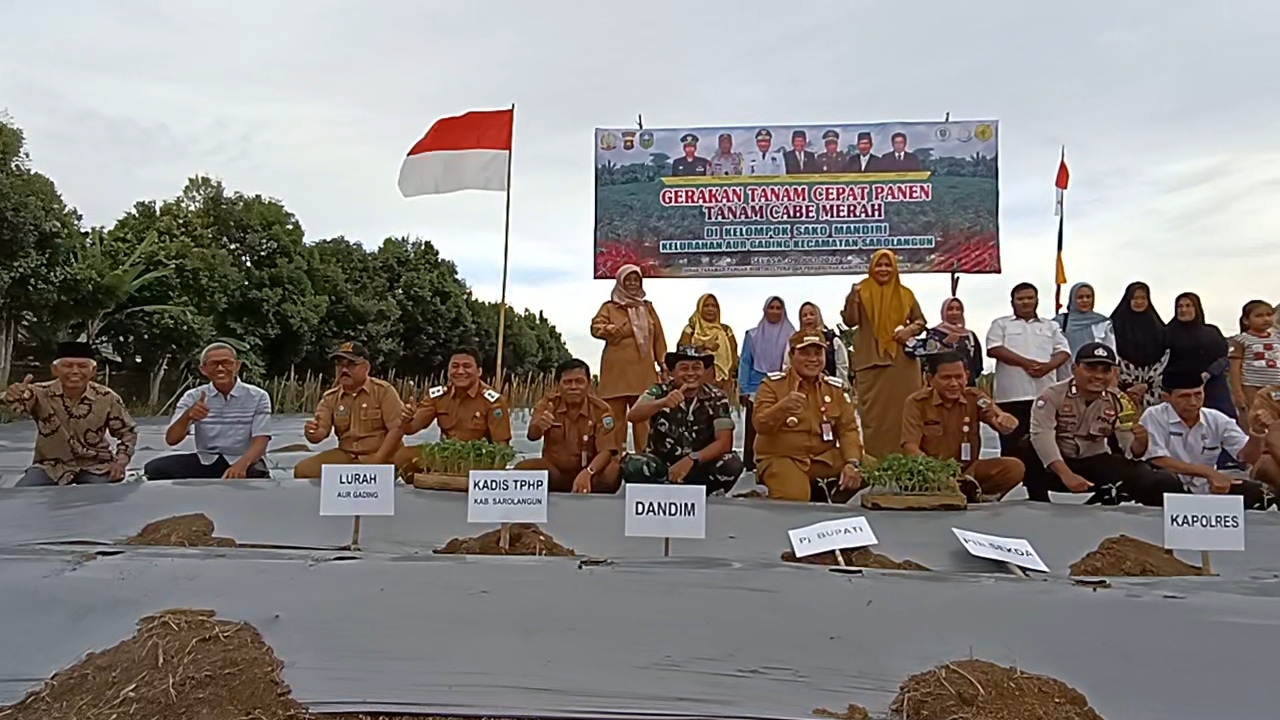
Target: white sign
1001 549
507 496
1203 522
357 489
667 511
853 532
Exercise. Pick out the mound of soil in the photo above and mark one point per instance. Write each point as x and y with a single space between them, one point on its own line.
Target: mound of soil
859 557
526 539
179 664
853 712
194 530
981 690
1124 556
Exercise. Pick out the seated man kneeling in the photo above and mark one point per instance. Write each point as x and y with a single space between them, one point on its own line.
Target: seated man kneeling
230 420
941 421
690 429
1072 426
1183 436
807 429
466 409
577 430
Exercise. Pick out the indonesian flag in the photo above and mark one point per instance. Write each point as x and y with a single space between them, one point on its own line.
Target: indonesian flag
1060 182
467 152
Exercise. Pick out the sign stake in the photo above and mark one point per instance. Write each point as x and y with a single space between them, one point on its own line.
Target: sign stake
1204 563
666 547
504 537
840 558
1016 570
355 532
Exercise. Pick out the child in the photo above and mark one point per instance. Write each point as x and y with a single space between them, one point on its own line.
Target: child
1254 354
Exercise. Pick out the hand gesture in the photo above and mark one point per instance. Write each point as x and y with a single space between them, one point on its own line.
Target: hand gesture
673 399
713 346
311 427
611 330
1037 369
543 421
850 478
200 410
1140 436
902 335
1137 391
794 402
408 411
1076 483
582 483
21 390
1220 484
1005 423
680 470
117 470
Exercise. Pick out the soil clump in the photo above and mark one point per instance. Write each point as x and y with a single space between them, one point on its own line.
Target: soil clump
179 664
1124 556
853 712
858 557
525 539
982 690
194 530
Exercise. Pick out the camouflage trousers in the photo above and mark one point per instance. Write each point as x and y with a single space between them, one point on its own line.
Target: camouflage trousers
646 468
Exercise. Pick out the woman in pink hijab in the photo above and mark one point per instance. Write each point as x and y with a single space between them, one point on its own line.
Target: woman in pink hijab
634 348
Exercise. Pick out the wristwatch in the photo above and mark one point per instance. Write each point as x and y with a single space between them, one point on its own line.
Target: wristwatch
694 456
857 464
591 471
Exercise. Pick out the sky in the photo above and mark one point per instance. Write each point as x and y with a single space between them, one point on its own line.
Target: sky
1163 108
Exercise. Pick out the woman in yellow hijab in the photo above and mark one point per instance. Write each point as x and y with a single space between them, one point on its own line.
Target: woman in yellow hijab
887 316
709 335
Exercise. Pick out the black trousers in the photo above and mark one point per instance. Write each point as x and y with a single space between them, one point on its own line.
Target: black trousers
188 466
1257 495
1020 409
749 442
1115 478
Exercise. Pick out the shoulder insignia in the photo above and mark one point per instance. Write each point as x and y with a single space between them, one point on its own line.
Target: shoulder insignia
607 422
983 402
491 395
436 392
497 413
777 375
834 381
1041 402
1275 395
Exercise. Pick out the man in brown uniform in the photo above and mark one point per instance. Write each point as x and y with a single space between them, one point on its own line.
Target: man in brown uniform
1068 450
941 421
364 412
579 445
466 409
807 429
1264 422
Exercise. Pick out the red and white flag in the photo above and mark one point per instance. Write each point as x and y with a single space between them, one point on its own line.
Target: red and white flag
1060 182
467 152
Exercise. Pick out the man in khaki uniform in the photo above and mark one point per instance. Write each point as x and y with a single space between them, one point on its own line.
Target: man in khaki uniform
1068 450
364 412
466 409
807 429
579 445
1264 422
941 421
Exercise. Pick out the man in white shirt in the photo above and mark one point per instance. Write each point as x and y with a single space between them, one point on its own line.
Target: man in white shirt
1027 350
230 420
764 160
1184 437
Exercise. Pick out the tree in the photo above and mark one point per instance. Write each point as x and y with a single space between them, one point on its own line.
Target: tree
38 236
359 303
435 312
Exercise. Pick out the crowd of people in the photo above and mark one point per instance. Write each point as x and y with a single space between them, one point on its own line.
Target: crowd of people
1122 407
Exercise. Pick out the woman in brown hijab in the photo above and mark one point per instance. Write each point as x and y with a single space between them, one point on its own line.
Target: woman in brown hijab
634 345
887 316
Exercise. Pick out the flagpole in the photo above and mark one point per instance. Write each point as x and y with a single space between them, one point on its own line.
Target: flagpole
506 253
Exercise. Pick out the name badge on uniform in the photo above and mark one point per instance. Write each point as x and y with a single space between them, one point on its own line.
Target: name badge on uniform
966 452
828 432
586 459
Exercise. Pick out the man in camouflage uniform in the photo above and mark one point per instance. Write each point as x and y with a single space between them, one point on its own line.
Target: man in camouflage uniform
690 429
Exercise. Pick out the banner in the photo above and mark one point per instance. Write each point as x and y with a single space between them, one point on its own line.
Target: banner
797 200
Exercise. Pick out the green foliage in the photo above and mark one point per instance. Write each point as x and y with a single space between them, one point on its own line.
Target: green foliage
454 457
911 474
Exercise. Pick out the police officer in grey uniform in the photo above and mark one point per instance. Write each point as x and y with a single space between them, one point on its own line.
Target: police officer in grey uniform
1069 447
764 160
833 160
726 161
690 163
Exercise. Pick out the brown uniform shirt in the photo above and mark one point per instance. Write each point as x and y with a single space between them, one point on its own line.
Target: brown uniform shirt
480 414
71 435
801 435
866 349
1265 410
362 419
940 429
623 372
576 438
1064 426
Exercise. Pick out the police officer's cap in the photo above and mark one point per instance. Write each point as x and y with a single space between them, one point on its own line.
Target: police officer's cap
688 352
805 338
689 139
764 134
864 136
1096 353
799 134
831 135
725 136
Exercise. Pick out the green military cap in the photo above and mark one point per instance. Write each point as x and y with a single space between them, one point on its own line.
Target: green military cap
689 139
764 134
831 135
